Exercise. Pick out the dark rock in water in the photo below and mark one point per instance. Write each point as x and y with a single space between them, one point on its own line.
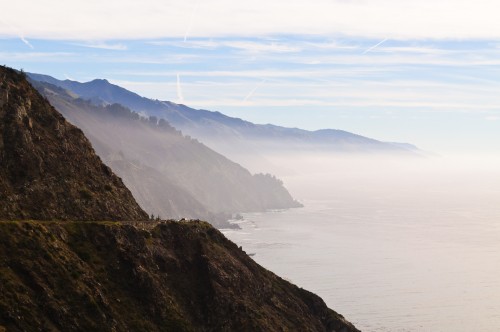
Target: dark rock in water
167 276
48 169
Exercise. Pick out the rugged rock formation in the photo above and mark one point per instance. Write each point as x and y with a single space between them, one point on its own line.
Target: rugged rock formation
48 167
169 276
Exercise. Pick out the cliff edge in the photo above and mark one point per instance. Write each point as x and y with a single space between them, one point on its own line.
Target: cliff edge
167 276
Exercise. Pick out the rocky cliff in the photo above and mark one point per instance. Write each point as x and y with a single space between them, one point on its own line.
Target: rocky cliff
49 169
168 276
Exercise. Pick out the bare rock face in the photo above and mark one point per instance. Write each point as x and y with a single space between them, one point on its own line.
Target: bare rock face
48 169
167 276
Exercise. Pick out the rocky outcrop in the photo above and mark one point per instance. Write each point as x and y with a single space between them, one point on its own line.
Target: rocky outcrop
49 170
167 276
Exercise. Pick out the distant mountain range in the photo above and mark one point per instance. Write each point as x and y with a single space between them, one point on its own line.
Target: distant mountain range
227 135
170 175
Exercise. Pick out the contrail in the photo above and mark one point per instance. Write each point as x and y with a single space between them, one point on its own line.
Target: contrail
24 40
18 33
180 97
191 20
375 46
250 94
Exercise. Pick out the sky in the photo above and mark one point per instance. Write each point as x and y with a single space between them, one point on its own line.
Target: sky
423 72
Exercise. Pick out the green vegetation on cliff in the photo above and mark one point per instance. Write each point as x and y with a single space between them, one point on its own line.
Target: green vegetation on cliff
167 276
48 169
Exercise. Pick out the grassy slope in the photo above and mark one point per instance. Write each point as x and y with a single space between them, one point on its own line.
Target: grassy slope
168 276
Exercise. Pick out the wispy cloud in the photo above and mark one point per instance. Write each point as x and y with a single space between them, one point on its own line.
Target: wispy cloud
36 56
430 107
17 32
492 118
427 96
248 46
375 46
262 47
196 44
251 93
418 50
191 20
24 40
103 45
258 74
180 96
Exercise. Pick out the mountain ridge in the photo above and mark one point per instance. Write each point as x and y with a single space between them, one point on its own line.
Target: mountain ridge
49 168
170 175
212 126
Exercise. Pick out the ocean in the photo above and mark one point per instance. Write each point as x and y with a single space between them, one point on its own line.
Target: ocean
392 249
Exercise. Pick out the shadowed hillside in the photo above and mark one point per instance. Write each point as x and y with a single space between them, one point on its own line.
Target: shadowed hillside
49 169
170 175
168 277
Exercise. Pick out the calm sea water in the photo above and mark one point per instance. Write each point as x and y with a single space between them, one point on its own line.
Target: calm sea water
412 251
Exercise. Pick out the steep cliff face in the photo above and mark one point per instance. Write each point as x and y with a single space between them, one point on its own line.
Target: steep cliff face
168 276
48 168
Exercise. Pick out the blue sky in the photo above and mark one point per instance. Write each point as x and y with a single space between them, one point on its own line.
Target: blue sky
425 73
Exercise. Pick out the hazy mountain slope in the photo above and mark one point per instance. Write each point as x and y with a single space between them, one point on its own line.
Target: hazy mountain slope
172 276
124 139
48 168
230 136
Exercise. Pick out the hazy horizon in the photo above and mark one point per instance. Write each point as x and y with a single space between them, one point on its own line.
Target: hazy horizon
392 244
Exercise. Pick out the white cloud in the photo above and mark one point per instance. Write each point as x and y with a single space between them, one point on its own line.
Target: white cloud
258 74
306 102
492 118
103 46
251 93
260 47
127 19
180 96
191 20
425 95
14 31
241 45
35 56
375 46
24 40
